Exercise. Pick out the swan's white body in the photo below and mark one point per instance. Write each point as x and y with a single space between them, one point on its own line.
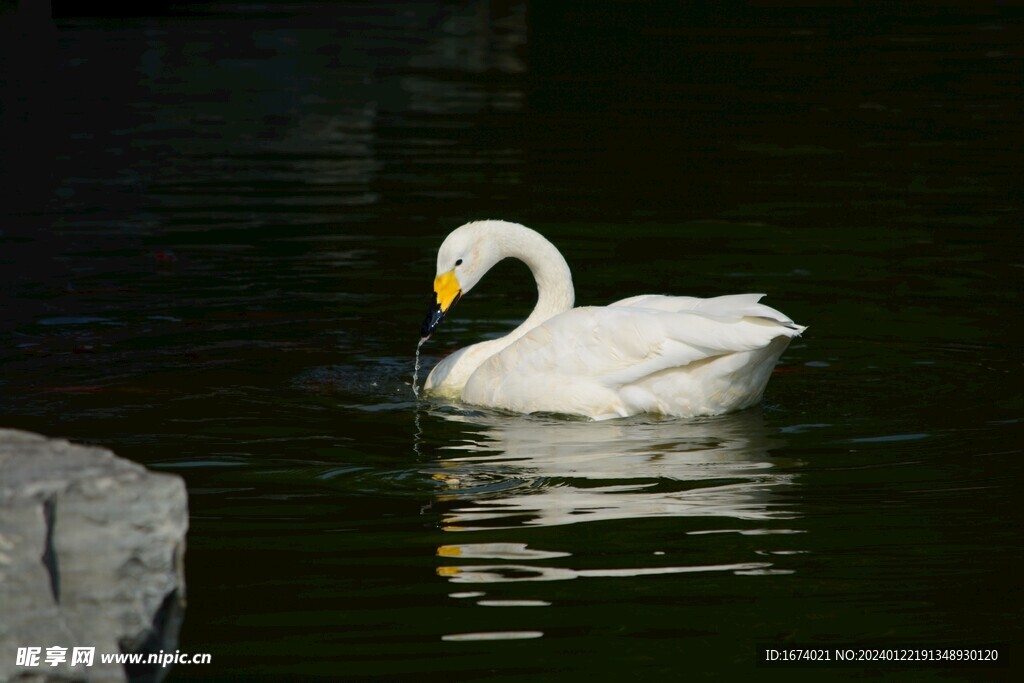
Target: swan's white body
673 355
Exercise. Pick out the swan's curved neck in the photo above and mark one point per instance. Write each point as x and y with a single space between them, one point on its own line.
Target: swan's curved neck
494 241
554 280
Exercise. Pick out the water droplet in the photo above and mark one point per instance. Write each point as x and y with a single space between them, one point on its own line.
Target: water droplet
416 370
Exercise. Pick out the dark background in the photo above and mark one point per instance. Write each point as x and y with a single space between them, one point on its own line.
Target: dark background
218 224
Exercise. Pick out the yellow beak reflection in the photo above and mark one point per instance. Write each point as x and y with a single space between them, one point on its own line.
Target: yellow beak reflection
446 292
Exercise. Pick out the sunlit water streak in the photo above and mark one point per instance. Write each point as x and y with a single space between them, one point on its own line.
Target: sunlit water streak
492 635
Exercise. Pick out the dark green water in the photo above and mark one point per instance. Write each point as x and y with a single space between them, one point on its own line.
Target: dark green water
217 246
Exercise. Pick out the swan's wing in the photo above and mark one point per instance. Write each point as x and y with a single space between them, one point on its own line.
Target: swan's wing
729 307
674 339
616 345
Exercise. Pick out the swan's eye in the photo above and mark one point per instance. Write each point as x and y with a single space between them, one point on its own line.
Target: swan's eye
459 262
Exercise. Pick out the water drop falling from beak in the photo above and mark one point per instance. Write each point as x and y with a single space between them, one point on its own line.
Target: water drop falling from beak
416 369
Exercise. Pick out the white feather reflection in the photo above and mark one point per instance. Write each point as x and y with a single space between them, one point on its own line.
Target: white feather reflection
527 471
509 573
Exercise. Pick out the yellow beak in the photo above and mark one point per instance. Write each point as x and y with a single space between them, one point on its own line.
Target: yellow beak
447 291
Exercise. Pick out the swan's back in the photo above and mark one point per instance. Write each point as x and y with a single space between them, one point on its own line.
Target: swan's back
728 307
680 356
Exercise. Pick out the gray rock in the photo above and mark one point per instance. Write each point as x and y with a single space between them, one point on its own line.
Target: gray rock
91 555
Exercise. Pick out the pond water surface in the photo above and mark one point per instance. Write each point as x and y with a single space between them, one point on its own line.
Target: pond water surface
218 246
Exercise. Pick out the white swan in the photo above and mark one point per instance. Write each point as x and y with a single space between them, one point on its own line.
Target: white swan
673 355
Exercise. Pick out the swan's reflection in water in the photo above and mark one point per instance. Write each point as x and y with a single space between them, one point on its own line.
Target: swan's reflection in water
515 472
535 472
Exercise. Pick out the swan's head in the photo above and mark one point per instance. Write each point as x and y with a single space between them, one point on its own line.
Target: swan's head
465 255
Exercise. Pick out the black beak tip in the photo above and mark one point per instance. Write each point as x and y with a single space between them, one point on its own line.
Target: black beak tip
435 316
430 323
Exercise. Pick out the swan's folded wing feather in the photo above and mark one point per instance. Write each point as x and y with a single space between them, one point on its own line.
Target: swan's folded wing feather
616 345
728 307
687 337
